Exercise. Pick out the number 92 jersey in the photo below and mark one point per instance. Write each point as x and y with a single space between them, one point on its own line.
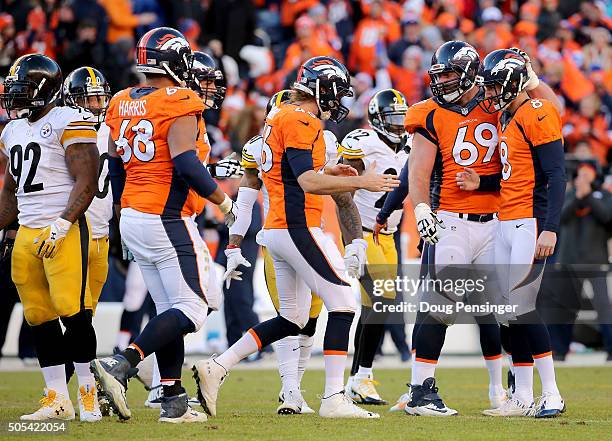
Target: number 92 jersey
465 137
37 163
139 119
366 145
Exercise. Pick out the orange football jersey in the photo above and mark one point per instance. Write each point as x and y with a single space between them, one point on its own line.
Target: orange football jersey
523 187
465 137
139 119
290 126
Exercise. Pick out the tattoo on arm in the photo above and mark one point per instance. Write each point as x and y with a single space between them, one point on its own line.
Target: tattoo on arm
357 164
348 216
251 179
8 201
82 161
235 239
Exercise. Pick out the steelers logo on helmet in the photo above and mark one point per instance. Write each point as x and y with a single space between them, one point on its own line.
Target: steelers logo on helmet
87 88
328 81
386 112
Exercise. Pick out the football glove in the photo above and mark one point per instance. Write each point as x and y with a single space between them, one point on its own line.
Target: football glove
227 167
126 253
355 257
533 80
234 260
229 208
50 239
427 223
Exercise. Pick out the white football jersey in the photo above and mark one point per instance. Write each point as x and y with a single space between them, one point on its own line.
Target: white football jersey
365 144
36 153
101 209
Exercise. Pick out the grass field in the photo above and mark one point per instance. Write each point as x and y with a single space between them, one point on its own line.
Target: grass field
247 403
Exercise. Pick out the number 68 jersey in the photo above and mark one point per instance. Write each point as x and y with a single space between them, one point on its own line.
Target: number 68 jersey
36 153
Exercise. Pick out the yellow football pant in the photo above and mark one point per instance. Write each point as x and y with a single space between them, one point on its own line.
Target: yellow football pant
52 288
315 304
98 268
382 265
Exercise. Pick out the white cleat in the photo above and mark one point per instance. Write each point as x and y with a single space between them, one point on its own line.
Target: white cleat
363 391
53 406
291 403
209 376
511 408
89 407
306 409
190 416
550 406
156 394
340 406
497 398
401 403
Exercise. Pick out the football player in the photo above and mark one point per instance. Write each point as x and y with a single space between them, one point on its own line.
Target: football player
379 148
153 147
49 183
532 194
293 151
293 352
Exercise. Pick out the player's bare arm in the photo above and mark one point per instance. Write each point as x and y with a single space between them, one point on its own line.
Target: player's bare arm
348 217
316 183
8 201
420 166
249 180
82 160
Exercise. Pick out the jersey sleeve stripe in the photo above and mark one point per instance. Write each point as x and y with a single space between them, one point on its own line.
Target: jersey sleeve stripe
81 123
70 137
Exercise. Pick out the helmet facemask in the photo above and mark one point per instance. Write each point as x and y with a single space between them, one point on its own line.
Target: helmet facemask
451 90
20 98
390 124
505 91
210 86
329 94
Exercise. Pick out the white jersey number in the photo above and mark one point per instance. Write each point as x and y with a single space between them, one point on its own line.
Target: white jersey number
144 132
461 145
25 162
506 166
266 150
104 184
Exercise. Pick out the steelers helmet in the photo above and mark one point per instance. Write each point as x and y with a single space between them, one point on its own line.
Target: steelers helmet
279 97
386 113
86 88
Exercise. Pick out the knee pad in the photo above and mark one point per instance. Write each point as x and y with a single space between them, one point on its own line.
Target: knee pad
310 328
36 316
195 312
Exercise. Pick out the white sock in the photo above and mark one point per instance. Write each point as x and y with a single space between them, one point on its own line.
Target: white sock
288 355
364 372
421 371
546 369
247 344
55 378
494 366
523 379
156 380
123 339
511 367
334 373
306 343
84 375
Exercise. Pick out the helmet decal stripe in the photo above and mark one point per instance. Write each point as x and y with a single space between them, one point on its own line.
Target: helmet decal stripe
92 75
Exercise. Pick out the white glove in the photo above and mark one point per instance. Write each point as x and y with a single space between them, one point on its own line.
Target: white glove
227 167
234 260
427 223
50 239
533 81
229 208
355 257
126 253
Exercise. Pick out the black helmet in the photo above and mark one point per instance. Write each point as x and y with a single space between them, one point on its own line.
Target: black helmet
458 57
34 81
205 69
507 70
82 85
165 51
386 113
328 81
279 97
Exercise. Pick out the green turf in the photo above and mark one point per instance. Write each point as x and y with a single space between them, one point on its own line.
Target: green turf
247 403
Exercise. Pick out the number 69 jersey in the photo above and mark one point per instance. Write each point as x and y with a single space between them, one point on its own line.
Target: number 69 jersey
366 145
465 137
37 163
139 119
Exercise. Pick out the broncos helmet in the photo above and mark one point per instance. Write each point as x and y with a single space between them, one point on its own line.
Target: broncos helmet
205 71
165 51
505 72
34 81
279 97
386 113
327 81
458 57
86 88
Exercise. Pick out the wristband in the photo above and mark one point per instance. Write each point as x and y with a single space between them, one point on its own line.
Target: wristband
226 205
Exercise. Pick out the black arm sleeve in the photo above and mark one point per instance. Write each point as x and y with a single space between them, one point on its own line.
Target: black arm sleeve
395 199
552 162
116 173
300 160
490 182
191 169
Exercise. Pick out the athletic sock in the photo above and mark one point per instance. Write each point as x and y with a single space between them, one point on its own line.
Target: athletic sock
546 369
523 380
306 343
421 370
288 355
55 378
156 379
510 365
245 346
335 350
494 366
364 372
84 375
123 339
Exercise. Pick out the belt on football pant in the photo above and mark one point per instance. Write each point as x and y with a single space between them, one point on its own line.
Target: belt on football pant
473 217
367 230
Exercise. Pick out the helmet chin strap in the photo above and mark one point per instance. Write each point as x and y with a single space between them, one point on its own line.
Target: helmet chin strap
323 115
174 76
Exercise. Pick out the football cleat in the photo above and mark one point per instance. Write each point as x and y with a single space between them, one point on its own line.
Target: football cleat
53 406
339 405
550 406
425 401
155 397
291 404
89 408
511 408
209 376
402 401
304 407
497 397
176 410
111 373
363 391
104 405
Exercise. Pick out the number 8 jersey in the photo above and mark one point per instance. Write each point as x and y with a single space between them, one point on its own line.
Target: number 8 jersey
36 153
139 119
465 137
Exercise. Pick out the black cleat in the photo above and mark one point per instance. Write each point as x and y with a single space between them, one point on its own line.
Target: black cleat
111 373
425 401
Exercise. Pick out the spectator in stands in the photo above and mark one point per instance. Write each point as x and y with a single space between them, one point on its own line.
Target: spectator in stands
85 50
409 77
7 42
548 19
410 37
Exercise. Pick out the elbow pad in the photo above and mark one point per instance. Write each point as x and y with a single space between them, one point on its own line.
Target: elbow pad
191 169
